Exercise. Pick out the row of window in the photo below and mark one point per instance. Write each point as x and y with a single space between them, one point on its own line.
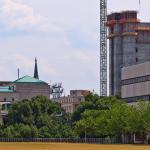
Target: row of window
71 100
6 106
68 108
136 80
135 99
8 99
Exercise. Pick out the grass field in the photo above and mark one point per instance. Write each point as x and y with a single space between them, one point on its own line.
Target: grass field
56 146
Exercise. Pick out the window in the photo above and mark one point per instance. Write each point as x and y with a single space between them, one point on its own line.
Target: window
136 59
3 107
136 50
136 40
73 92
79 99
8 106
148 78
136 80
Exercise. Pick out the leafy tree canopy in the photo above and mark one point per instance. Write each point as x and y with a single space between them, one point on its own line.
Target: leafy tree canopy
39 117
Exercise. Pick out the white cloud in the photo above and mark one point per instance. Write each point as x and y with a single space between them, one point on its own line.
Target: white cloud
14 14
75 65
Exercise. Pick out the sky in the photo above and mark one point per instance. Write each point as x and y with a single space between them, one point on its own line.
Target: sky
62 34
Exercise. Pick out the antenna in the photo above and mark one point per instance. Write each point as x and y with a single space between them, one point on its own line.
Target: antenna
139 6
57 90
18 71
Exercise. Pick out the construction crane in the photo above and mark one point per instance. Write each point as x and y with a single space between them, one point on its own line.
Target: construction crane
103 48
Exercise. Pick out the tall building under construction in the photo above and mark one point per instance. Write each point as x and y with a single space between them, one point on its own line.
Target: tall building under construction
129 45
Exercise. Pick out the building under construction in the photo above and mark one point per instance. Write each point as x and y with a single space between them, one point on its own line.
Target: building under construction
129 44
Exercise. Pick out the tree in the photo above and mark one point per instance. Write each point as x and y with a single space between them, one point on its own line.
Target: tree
20 131
21 112
139 119
117 119
39 117
113 118
99 116
87 126
94 102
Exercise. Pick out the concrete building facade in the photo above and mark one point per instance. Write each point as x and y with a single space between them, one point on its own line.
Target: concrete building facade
129 44
136 82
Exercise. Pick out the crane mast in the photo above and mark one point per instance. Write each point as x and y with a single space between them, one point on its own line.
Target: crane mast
103 48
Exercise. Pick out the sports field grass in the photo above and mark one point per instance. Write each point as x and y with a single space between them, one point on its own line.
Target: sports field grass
56 146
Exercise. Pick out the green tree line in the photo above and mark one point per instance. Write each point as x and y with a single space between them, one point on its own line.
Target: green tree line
111 116
37 118
95 117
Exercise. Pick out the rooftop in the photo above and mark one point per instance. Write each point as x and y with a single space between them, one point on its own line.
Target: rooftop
28 79
6 89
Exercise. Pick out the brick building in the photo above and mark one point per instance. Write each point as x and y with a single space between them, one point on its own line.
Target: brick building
26 87
71 102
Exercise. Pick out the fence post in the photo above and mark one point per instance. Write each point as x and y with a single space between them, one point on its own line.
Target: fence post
85 136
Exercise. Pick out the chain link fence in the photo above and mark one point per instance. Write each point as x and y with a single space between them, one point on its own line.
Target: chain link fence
107 140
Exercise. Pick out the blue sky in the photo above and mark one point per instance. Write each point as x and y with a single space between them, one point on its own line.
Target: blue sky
62 34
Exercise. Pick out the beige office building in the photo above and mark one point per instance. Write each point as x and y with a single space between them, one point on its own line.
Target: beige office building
71 102
136 82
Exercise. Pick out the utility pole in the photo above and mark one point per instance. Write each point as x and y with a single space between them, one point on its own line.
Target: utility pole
103 48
